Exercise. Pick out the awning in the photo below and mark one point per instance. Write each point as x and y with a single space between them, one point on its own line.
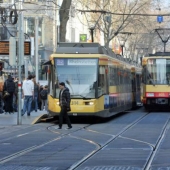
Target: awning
47 63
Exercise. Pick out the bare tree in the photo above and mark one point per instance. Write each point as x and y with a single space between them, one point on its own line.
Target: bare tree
64 16
114 24
117 15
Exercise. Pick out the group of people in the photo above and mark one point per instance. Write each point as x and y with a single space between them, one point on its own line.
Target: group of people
34 96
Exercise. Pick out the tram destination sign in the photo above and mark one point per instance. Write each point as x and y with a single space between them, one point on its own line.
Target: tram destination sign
4 48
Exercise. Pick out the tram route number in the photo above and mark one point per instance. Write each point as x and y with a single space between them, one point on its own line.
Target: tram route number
74 102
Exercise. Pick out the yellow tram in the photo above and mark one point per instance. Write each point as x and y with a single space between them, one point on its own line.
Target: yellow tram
156 81
100 82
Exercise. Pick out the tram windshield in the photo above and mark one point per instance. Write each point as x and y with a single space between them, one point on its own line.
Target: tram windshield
158 71
79 76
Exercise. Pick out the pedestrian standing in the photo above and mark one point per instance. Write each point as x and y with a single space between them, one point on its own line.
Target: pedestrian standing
39 97
9 87
44 95
1 92
64 102
15 97
28 93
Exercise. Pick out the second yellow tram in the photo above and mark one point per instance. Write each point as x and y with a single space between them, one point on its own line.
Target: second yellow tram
156 81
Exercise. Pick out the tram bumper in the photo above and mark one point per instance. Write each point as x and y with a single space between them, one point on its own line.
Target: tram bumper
157 101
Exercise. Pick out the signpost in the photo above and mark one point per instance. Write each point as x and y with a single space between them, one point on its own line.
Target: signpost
4 48
159 18
83 37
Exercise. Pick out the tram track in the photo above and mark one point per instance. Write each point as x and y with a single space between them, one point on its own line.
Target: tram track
34 147
29 149
155 149
76 165
98 146
150 159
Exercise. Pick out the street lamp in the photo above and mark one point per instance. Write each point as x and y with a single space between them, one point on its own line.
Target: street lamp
92 33
141 51
122 44
162 33
122 37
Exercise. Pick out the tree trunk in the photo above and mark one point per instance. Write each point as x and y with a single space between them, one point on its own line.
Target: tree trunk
64 16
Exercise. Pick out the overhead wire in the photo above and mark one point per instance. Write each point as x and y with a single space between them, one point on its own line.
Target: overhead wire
122 14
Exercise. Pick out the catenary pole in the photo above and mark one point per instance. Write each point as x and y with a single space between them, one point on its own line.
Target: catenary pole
36 50
20 56
26 66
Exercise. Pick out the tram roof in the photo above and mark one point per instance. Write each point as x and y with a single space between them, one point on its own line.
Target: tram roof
86 48
83 48
160 54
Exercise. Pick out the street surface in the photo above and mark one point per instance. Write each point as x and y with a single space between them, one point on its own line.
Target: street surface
135 140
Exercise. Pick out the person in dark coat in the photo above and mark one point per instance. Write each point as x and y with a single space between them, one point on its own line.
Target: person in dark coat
15 98
64 102
9 86
39 97
44 96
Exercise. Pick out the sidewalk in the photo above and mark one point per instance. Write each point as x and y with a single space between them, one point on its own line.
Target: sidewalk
11 119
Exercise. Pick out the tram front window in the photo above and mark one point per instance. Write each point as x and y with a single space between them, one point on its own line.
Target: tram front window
158 71
79 75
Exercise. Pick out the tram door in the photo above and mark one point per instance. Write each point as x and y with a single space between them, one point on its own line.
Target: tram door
138 89
103 83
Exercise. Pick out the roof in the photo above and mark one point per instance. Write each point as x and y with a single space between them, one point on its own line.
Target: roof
160 54
83 48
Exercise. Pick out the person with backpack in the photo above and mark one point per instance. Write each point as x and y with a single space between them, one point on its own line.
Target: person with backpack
8 88
43 96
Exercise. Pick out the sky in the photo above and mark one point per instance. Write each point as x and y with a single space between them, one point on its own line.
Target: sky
163 4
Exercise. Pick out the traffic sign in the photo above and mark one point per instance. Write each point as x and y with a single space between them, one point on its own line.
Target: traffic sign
159 18
4 48
83 37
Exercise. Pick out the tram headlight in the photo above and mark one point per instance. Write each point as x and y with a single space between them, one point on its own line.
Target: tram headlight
58 103
89 103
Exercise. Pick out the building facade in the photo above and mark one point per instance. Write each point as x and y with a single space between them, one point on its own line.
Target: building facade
47 14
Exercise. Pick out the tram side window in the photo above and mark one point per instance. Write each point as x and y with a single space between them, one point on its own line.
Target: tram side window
101 81
118 80
121 80
138 81
51 80
129 81
56 84
111 76
125 81
116 76
133 82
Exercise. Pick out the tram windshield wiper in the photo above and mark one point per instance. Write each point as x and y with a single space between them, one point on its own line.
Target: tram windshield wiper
78 96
